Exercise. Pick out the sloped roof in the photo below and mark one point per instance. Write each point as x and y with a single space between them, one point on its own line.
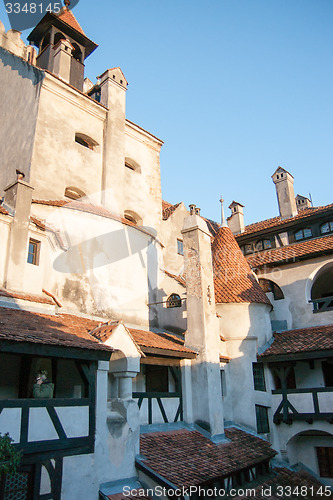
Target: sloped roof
146 339
285 480
179 279
292 252
278 221
3 210
302 340
25 296
67 16
233 279
63 330
187 458
168 209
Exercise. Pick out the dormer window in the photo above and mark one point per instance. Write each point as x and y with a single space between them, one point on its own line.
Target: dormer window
74 193
85 141
327 227
132 165
303 234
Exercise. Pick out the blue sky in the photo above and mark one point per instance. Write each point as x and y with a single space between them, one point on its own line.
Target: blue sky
235 88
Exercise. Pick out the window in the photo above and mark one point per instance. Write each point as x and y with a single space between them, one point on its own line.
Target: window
327 227
262 419
33 252
133 217
248 248
157 379
258 377
223 384
262 245
327 367
302 234
322 290
132 164
74 193
174 301
85 141
325 461
57 37
180 247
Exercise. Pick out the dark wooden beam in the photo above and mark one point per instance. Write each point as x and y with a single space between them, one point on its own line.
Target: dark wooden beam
169 353
154 360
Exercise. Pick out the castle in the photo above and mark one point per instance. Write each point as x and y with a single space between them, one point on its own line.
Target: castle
183 352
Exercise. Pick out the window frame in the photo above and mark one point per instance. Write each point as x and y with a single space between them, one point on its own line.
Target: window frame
180 247
325 461
259 381
302 232
262 419
35 254
330 227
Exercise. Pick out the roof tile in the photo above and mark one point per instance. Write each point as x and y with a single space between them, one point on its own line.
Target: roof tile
316 338
187 458
233 279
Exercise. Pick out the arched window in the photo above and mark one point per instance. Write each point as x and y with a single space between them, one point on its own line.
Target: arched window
85 141
262 245
174 301
269 286
132 217
132 164
302 234
57 37
327 227
322 290
74 193
76 52
46 41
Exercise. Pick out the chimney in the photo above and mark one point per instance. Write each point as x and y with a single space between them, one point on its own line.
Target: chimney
113 95
302 202
236 219
18 196
284 184
202 326
63 59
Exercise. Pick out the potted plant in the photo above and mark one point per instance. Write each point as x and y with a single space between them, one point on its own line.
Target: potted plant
9 456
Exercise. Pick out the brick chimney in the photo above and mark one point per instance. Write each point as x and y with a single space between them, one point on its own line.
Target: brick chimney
63 59
236 219
284 184
202 325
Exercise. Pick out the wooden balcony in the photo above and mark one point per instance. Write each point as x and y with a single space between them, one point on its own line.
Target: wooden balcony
160 398
289 412
322 305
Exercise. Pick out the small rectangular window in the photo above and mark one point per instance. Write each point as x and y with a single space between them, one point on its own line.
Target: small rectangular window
325 461
262 419
223 384
180 247
259 377
33 252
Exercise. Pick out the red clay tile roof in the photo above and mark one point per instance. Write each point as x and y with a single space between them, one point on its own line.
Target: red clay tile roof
3 211
315 338
303 249
168 209
67 16
180 279
23 296
188 458
163 341
61 330
278 221
288 481
213 226
233 279
94 210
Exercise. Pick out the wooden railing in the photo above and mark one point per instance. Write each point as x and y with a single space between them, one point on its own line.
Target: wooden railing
322 304
150 396
287 413
84 444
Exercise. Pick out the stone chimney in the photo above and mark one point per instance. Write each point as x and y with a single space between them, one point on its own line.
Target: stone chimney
18 196
202 325
236 219
113 95
284 184
63 59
